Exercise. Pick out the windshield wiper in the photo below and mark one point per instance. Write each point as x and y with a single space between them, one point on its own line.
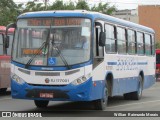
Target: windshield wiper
61 56
37 53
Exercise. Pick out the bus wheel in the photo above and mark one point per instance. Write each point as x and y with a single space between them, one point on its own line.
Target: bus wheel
2 90
137 94
41 103
101 104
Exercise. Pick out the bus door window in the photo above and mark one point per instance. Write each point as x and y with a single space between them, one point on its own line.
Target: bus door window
98 50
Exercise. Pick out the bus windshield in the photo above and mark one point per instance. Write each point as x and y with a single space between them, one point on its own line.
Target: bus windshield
67 37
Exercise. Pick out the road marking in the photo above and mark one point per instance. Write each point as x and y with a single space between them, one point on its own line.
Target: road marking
135 104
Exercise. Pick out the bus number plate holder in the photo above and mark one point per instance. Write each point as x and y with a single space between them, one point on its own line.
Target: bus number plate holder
46 95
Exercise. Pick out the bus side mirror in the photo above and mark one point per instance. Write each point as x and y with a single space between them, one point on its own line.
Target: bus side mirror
7 42
102 39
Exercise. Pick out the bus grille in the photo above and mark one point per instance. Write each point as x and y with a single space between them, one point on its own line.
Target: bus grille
24 71
47 73
47 85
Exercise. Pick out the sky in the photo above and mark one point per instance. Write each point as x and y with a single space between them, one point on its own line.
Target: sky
120 4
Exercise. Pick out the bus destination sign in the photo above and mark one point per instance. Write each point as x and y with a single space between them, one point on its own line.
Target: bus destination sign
56 22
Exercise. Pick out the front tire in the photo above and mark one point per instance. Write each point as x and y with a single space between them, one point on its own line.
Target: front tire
41 103
101 104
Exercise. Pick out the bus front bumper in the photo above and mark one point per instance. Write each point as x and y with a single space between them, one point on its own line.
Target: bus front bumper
83 92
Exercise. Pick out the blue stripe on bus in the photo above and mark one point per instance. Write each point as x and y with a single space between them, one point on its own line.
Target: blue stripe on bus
112 63
138 63
142 63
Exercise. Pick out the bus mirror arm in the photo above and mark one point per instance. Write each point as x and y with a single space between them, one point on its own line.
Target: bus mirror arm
12 25
102 39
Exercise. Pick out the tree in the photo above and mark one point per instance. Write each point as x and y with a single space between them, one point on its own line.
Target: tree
70 6
83 5
104 8
57 5
32 6
157 45
8 12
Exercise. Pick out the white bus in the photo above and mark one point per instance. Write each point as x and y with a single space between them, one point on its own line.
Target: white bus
80 56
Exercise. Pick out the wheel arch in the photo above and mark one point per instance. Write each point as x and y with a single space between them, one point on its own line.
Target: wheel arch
109 80
141 73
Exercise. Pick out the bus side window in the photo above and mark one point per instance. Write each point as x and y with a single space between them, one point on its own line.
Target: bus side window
140 43
1 44
110 46
121 40
131 42
153 44
10 44
148 44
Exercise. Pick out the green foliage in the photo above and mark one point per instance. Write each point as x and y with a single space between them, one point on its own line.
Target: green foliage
9 10
70 6
82 5
32 6
157 45
103 8
57 5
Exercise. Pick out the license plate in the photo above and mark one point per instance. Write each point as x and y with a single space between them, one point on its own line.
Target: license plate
46 95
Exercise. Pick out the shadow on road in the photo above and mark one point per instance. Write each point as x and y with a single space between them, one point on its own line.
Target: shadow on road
5 93
79 109
80 106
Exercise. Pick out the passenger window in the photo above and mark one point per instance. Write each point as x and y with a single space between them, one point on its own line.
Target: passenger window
153 45
131 42
121 40
140 43
148 44
1 44
110 46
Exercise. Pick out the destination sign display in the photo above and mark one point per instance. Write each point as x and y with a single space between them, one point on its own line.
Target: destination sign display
29 51
55 22
39 22
67 21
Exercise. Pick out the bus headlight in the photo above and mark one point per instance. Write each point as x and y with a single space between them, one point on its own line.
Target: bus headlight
81 80
17 79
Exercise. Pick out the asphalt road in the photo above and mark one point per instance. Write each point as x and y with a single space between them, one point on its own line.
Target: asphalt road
150 101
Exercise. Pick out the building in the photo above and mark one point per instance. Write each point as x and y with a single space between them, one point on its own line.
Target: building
149 15
129 15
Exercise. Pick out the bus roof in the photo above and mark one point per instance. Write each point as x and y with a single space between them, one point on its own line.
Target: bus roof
11 30
2 28
89 14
